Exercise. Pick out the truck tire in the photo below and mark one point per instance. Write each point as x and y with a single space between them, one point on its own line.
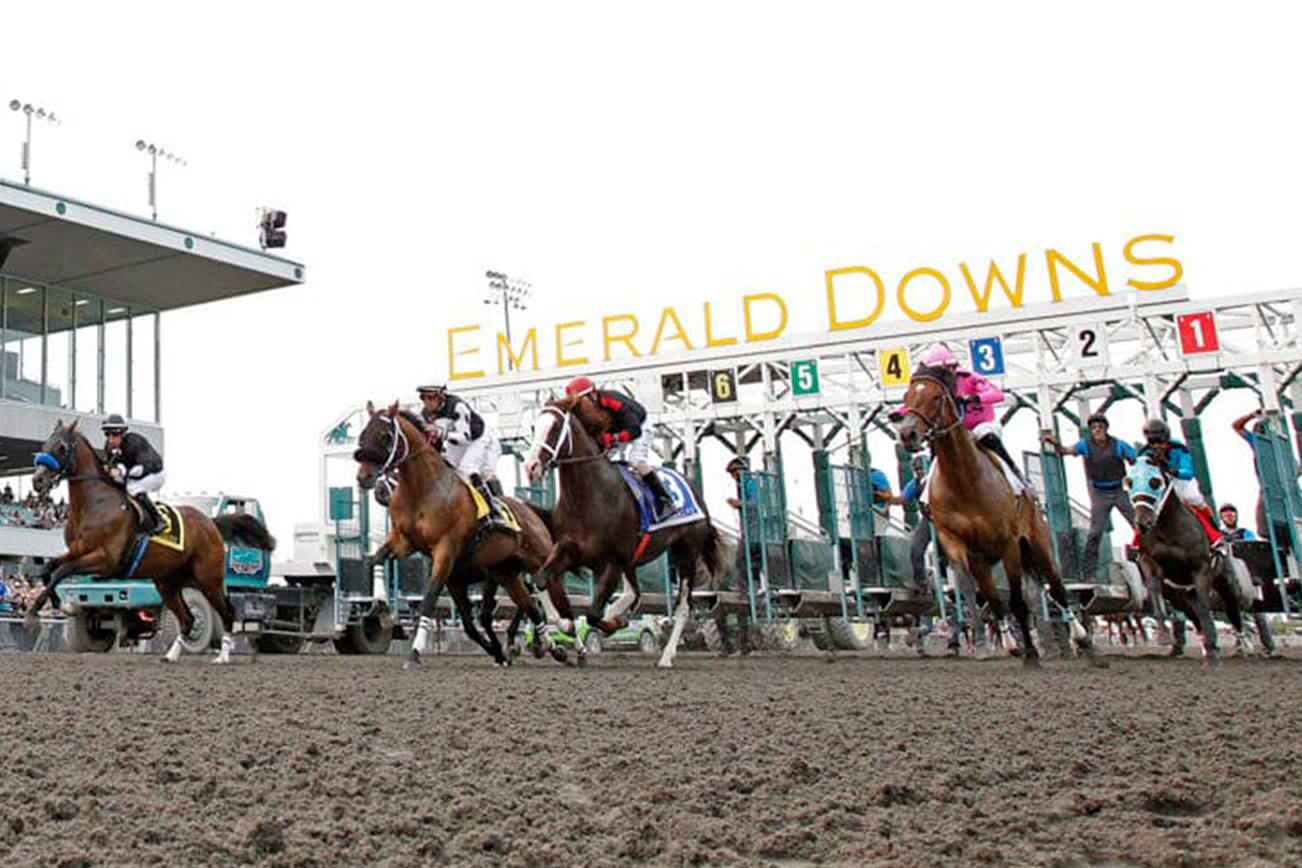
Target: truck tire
820 635
81 637
207 630
843 634
371 635
277 644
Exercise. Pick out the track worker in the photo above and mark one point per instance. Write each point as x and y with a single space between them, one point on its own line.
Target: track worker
624 433
1232 533
460 434
1105 467
134 463
1280 536
749 554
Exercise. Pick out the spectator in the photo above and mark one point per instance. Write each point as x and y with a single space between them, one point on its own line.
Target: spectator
7 496
1105 467
749 553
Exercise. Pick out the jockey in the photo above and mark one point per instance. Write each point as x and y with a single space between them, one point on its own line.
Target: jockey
460 434
133 462
976 397
625 431
1177 462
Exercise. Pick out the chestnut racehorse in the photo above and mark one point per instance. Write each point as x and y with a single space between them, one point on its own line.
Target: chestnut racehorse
102 524
432 512
978 518
595 521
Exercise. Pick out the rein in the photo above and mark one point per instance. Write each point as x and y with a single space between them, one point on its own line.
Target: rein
933 427
554 456
67 473
393 462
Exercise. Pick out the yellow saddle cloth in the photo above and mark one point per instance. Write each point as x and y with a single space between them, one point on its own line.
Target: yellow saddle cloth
508 519
173 533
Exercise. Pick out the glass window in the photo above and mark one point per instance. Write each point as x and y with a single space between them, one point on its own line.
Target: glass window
115 357
88 314
21 368
59 367
142 366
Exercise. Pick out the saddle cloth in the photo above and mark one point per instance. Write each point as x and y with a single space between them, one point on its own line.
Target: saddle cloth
686 507
508 520
172 536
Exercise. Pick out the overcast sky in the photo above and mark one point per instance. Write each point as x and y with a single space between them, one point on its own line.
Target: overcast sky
624 159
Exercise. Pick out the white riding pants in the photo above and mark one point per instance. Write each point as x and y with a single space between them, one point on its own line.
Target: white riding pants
1189 492
638 453
149 483
478 456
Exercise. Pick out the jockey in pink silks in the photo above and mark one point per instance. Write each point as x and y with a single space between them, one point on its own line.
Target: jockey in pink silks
977 396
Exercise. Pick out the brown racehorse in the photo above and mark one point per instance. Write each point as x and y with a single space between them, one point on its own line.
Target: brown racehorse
431 511
102 524
595 521
978 519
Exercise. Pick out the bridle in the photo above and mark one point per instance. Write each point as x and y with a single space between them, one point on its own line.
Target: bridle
1139 498
566 439
398 437
933 427
67 472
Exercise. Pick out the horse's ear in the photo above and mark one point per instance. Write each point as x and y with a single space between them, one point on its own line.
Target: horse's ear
370 408
72 429
393 409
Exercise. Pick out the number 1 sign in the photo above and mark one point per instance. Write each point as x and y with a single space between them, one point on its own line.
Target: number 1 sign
1198 332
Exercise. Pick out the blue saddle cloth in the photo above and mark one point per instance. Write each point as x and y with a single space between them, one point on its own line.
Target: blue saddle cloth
686 508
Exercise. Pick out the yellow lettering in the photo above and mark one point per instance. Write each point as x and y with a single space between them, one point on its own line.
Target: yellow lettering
561 344
1177 270
751 334
944 299
710 339
1014 295
679 333
626 339
529 344
833 322
453 352
1099 285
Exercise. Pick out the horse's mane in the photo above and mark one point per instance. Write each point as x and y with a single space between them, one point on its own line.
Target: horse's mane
81 439
943 374
412 418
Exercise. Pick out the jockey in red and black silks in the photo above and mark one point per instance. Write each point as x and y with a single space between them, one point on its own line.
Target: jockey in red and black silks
624 433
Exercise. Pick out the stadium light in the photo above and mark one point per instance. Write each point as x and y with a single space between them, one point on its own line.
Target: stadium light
510 293
271 228
33 113
157 152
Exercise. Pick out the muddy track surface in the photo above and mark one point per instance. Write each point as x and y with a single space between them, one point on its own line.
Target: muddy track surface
116 760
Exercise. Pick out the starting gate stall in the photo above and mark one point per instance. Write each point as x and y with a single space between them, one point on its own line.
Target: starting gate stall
1279 515
1055 362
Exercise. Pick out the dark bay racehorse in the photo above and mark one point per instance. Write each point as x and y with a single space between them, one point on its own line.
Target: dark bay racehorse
1173 548
432 512
595 521
978 518
102 524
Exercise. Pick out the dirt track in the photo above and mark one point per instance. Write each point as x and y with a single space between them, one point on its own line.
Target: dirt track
328 760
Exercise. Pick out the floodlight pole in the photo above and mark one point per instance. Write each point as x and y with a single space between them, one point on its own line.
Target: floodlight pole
511 295
27 153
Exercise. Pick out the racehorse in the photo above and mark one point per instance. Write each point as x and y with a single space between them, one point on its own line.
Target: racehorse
595 521
978 519
1173 548
433 512
102 525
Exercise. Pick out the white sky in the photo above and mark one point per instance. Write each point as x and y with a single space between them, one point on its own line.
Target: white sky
624 159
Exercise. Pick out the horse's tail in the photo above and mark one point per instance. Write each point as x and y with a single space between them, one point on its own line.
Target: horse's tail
544 515
712 552
245 529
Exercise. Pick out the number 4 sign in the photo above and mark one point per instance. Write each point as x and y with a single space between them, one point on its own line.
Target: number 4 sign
1198 332
894 365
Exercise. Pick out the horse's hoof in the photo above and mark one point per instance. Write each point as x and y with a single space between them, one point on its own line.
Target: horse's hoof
665 664
559 654
413 659
513 649
581 660
1030 662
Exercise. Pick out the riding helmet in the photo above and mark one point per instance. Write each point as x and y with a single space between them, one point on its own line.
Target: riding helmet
114 424
432 390
580 386
940 356
1096 417
737 463
1156 431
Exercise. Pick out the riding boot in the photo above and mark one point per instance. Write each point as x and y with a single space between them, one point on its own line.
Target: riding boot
1208 522
663 502
494 516
495 486
153 521
995 445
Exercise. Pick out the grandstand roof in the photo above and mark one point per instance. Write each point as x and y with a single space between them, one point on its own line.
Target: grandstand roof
129 259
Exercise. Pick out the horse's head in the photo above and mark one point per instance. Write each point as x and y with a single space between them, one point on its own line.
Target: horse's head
553 434
1147 485
57 458
384 443
929 407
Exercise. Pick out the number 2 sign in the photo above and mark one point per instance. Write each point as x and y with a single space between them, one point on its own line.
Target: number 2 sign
1198 332
1089 344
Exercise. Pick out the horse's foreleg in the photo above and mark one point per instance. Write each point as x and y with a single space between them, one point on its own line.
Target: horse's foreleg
1202 606
461 597
1017 602
78 558
441 560
628 598
606 578
525 606
681 611
171 595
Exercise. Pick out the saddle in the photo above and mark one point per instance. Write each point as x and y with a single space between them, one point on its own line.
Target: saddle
172 536
506 519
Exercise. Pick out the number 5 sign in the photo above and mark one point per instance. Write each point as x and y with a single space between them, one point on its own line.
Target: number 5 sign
1197 332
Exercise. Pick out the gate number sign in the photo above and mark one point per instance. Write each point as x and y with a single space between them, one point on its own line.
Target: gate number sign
894 366
1198 332
1090 345
987 356
723 386
804 377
